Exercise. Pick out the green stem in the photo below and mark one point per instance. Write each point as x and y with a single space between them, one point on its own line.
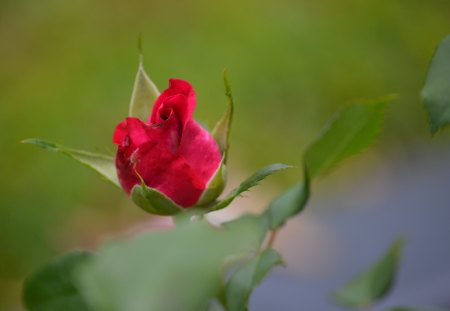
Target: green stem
272 236
366 307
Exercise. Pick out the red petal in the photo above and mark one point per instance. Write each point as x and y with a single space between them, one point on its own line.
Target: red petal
130 128
180 97
125 171
168 173
132 133
200 150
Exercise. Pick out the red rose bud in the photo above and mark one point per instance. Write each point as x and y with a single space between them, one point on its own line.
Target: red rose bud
171 152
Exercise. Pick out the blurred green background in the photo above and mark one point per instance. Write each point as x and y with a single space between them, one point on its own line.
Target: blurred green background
67 70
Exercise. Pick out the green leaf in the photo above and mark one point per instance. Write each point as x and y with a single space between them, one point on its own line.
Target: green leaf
144 94
102 164
436 91
242 283
256 221
215 186
163 271
153 201
249 183
417 309
221 131
354 128
52 288
288 204
374 283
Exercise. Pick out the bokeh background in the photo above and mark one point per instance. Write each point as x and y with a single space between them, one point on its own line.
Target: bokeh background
66 74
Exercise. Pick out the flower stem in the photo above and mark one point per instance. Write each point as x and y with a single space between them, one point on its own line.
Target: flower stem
366 307
272 237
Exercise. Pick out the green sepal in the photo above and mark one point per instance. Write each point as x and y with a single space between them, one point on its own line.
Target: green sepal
436 91
221 131
247 184
221 134
102 164
372 284
153 201
144 94
289 203
240 286
54 288
215 185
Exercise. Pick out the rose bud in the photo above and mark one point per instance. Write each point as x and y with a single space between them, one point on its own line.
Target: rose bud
170 156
